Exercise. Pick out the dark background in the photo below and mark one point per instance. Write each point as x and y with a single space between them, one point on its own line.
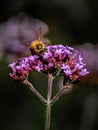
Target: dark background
72 22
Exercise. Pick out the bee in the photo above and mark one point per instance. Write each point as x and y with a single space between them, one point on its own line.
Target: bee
38 44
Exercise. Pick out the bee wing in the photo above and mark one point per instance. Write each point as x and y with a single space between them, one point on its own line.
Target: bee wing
38 34
23 30
32 29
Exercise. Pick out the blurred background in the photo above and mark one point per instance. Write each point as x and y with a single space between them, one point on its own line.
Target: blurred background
70 22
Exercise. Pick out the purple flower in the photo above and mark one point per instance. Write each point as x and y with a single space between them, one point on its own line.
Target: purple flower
39 67
57 59
66 69
83 72
47 55
20 72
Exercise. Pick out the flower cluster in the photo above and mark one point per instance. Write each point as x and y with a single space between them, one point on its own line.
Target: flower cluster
57 59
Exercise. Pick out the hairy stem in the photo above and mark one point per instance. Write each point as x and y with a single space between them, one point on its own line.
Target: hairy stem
26 82
64 89
48 105
48 116
49 101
